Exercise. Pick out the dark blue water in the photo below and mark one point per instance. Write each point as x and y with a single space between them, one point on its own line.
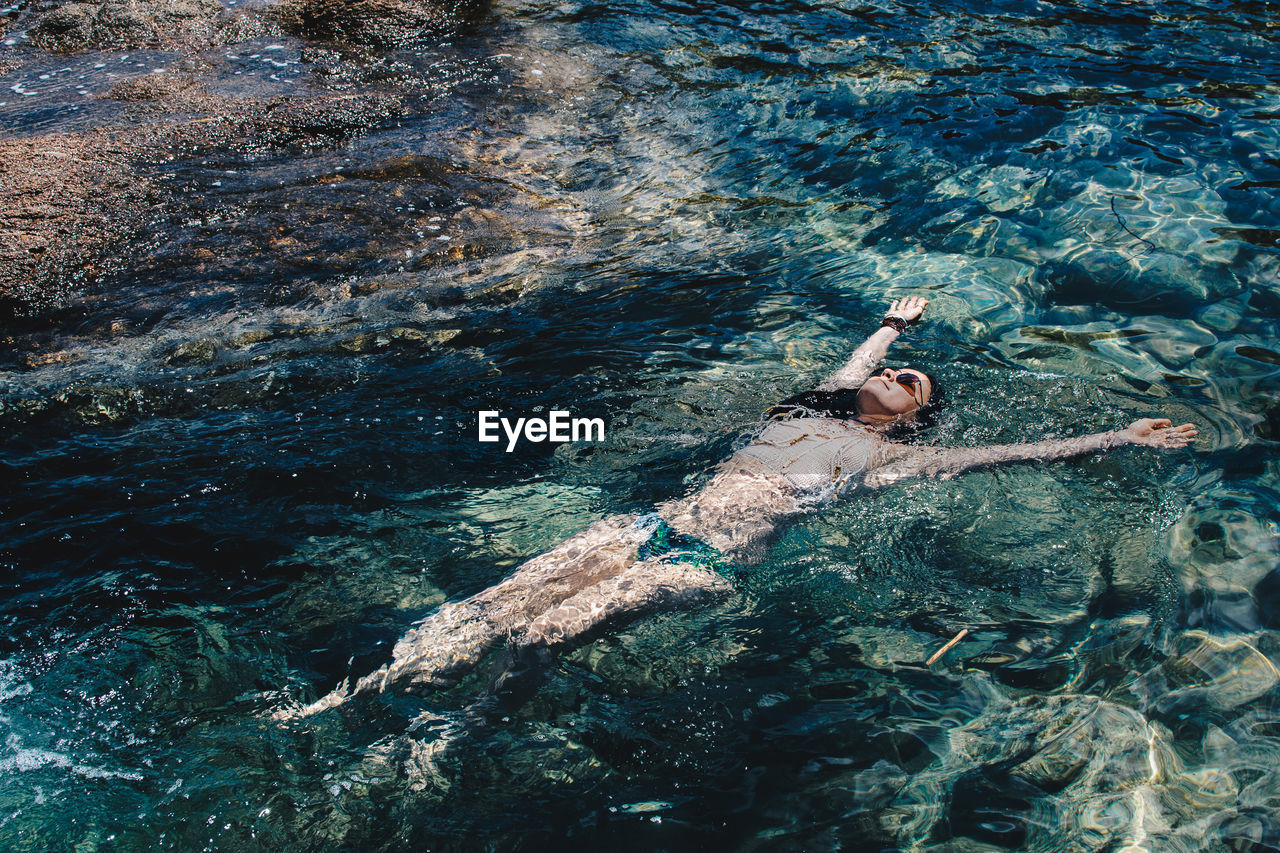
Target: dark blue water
234 477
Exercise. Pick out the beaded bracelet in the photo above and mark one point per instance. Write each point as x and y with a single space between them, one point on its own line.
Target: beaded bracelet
898 324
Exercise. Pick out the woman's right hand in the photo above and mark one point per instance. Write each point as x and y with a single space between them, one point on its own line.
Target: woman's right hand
1159 432
908 309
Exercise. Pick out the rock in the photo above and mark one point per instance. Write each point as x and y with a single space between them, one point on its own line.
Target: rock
189 117
1061 735
166 24
314 122
978 296
1222 544
366 342
1148 348
1223 316
1139 236
1214 672
1032 766
1249 747
1112 646
177 89
248 339
42 359
375 23
100 405
193 352
1000 189
1066 772
67 202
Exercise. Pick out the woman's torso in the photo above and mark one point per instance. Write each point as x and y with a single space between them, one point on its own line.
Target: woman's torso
791 466
818 457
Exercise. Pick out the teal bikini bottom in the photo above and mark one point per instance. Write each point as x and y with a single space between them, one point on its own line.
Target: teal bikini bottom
670 546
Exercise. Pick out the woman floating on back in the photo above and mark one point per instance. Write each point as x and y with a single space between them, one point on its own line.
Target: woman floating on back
817 445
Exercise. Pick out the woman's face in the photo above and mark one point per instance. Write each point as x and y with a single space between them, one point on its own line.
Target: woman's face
892 394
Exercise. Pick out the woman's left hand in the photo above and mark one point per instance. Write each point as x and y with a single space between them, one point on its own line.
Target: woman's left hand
908 309
1159 432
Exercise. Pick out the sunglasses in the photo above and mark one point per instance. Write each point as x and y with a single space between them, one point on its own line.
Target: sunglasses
911 382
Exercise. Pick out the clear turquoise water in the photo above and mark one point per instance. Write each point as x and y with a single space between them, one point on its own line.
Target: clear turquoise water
242 478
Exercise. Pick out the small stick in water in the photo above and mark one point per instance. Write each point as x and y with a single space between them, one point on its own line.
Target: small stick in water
942 651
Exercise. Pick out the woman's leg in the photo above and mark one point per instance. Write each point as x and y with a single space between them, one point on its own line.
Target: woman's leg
449 643
643 587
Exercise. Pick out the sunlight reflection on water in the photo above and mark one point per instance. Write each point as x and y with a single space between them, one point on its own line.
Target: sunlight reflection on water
243 468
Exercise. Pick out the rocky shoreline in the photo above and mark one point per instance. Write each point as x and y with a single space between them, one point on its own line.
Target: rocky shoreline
72 203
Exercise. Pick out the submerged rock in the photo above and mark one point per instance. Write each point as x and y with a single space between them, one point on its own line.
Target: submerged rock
197 24
1223 545
1150 350
194 352
1138 236
184 114
1067 772
102 404
1210 672
129 24
1000 189
978 296
319 121
67 202
72 203
376 23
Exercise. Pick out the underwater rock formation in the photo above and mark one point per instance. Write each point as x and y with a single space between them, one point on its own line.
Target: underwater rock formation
976 295
131 24
1138 235
65 200
69 201
1208 671
247 124
1067 772
195 24
376 23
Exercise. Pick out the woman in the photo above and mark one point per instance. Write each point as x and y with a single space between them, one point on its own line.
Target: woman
816 445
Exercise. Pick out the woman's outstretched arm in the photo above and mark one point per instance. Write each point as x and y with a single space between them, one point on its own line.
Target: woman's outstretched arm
873 349
900 462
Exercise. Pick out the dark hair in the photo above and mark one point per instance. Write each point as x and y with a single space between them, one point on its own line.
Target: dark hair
842 403
929 411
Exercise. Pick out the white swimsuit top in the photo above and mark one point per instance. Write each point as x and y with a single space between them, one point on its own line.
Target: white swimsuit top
815 455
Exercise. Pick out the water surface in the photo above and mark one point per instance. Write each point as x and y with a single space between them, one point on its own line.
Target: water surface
238 471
